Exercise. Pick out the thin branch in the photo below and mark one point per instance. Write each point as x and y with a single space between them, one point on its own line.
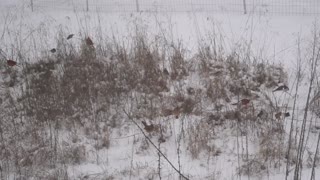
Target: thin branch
159 151
314 60
314 159
293 111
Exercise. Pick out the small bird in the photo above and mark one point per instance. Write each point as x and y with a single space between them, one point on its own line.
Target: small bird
176 112
278 115
11 62
148 128
161 139
190 91
89 42
70 36
287 114
281 88
243 102
53 50
260 114
166 72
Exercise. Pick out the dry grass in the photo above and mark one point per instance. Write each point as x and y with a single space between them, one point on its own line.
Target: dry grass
83 91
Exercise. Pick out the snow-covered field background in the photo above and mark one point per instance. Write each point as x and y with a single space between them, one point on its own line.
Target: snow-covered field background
199 144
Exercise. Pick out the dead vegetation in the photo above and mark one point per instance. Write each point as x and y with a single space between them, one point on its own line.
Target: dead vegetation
84 91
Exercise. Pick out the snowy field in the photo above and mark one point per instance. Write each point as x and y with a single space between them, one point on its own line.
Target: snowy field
273 38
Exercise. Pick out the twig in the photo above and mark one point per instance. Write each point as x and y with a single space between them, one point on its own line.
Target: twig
314 62
132 152
293 111
159 151
159 159
315 159
179 145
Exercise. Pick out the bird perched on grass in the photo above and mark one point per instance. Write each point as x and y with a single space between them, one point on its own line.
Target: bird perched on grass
11 62
260 114
281 88
89 42
191 91
278 115
70 36
287 114
166 72
148 128
53 50
243 102
161 139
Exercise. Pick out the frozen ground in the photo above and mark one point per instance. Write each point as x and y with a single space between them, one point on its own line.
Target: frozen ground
273 38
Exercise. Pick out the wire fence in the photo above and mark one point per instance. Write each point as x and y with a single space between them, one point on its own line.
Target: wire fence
285 7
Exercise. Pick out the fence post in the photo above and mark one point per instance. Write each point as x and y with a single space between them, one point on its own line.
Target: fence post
31 4
137 6
245 6
87 3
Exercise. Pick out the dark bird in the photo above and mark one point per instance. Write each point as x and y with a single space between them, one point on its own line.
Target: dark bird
161 139
243 102
89 42
287 114
191 91
278 115
148 128
166 72
70 36
176 112
53 50
11 62
281 88
260 114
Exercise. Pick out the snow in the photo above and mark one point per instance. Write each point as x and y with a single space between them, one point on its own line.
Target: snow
272 38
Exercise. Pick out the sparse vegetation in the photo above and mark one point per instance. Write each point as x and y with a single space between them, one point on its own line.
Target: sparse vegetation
64 108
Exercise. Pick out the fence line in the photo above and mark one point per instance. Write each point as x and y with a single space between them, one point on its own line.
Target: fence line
285 7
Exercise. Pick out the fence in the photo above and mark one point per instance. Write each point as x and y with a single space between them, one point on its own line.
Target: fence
285 7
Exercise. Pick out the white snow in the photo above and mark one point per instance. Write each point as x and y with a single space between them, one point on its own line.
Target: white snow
271 37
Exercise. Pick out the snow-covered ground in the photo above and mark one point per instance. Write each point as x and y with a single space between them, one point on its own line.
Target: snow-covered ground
272 38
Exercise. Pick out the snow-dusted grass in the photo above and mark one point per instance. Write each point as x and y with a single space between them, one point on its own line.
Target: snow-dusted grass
77 128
